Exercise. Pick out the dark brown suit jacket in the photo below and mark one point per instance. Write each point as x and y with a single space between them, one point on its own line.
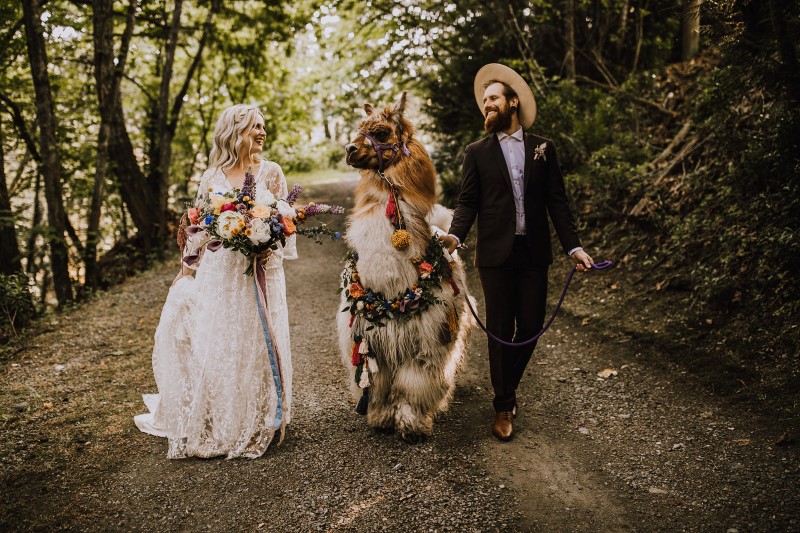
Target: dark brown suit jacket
486 193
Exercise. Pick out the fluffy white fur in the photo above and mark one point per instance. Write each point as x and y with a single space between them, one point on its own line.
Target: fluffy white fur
416 374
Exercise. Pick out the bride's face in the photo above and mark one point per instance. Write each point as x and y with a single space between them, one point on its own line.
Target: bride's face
253 140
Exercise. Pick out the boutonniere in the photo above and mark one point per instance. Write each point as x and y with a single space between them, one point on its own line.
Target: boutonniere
539 152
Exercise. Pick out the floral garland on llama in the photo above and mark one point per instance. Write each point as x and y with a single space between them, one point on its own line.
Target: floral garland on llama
374 308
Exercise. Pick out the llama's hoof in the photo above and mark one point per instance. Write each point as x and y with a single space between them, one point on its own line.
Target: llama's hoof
383 430
414 438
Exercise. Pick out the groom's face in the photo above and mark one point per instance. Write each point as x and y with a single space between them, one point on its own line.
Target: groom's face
497 109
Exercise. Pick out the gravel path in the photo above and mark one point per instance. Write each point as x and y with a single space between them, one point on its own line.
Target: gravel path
643 449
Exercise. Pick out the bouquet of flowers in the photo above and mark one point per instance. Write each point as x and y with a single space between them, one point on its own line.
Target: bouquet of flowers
252 222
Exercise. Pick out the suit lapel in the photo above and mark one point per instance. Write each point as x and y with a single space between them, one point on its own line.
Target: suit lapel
529 150
500 159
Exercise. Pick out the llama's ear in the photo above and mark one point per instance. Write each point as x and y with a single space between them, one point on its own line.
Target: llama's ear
400 106
368 109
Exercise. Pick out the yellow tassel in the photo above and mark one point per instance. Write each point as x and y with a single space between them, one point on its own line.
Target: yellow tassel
401 239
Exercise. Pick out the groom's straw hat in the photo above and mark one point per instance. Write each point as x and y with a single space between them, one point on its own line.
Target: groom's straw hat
498 72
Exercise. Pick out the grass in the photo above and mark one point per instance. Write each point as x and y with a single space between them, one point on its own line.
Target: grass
326 175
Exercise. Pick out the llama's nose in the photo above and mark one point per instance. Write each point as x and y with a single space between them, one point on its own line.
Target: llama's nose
350 148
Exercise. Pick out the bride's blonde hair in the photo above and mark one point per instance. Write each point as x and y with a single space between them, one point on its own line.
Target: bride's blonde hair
234 121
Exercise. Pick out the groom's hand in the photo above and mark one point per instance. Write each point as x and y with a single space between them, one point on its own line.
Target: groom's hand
449 241
582 260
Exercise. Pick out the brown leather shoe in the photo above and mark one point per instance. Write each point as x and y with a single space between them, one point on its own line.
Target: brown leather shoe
502 427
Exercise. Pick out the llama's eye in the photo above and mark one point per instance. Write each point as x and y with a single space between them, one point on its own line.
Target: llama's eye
382 136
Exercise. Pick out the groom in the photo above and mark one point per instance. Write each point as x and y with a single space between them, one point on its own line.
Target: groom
511 182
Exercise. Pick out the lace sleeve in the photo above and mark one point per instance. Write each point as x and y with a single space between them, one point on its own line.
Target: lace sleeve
276 182
192 252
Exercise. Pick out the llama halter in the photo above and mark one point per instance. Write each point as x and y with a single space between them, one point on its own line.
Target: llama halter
401 239
379 148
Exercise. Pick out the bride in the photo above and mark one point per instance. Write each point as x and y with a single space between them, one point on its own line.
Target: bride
223 370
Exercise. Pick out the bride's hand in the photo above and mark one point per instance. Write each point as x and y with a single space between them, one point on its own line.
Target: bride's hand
185 271
263 256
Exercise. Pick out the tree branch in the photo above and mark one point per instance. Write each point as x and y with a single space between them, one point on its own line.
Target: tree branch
633 97
14 110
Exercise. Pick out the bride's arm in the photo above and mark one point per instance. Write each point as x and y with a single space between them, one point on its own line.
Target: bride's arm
277 184
190 248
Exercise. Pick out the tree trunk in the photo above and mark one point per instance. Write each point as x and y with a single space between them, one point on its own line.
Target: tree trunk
791 68
36 220
569 34
690 30
10 258
108 75
132 184
51 162
159 173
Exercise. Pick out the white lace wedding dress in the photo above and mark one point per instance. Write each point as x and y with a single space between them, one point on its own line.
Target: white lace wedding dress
219 385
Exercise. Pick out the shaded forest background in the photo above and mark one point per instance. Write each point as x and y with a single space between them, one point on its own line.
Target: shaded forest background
677 125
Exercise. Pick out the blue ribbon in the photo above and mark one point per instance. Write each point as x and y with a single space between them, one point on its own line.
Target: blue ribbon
276 377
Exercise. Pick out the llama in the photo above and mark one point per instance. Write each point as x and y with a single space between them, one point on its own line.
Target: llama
404 325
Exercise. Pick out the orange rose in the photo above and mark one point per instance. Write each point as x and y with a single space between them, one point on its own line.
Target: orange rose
193 215
288 226
356 290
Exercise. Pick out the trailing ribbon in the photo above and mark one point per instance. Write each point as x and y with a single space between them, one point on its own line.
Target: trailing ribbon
260 280
198 232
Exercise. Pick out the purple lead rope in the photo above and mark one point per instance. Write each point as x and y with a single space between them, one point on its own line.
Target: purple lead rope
599 266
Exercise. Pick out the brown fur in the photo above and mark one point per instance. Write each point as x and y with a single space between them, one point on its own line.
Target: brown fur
417 365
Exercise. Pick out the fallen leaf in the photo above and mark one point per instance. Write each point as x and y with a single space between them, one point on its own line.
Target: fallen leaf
607 373
741 442
585 320
48 405
614 286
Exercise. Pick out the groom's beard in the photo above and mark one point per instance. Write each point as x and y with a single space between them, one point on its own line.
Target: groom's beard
500 121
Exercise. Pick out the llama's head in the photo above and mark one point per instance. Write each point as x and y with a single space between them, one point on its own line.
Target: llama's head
382 138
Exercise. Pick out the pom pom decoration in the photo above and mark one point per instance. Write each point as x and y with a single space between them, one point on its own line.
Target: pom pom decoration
401 239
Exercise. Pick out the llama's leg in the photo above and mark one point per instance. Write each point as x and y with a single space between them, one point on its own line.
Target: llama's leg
380 414
417 391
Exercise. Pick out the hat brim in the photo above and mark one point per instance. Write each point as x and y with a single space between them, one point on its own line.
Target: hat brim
497 72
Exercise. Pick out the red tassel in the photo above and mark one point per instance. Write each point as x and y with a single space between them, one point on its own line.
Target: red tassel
391 208
355 357
352 318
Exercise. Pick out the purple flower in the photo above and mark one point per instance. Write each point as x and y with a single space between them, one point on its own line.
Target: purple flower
322 209
247 186
294 194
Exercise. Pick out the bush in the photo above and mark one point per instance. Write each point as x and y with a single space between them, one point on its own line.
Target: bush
16 304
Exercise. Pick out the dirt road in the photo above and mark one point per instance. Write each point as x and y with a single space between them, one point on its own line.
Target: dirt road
637 447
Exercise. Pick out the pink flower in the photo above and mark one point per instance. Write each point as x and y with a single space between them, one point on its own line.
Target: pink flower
228 207
193 214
